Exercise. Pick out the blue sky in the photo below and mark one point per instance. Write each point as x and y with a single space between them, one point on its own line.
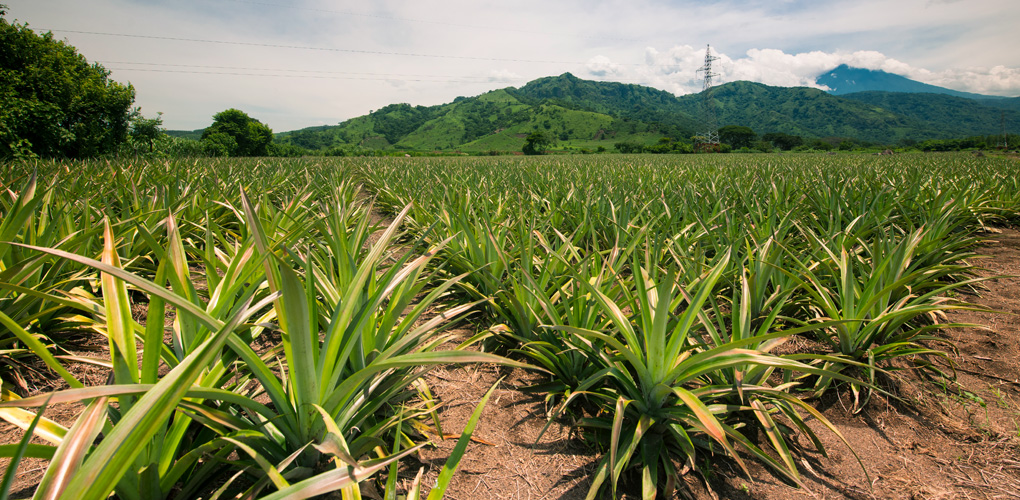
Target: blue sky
298 63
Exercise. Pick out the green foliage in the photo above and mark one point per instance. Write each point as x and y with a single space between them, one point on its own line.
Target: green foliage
163 146
234 133
884 294
974 142
737 136
653 291
634 102
801 111
146 130
397 120
535 143
939 116
218 144
495 121
786 142
195 135
654 382
578 286
288 150
178 417
667 145
628 147
53 103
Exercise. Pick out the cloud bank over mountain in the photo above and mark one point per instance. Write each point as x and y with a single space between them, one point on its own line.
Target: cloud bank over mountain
674 70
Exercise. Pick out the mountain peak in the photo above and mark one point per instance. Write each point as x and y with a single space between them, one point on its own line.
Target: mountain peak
845 79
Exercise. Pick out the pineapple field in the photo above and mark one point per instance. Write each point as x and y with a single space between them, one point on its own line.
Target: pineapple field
572 327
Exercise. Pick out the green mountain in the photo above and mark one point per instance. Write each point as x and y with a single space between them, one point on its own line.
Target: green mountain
883 117
579 113
800 111
633 102
497 120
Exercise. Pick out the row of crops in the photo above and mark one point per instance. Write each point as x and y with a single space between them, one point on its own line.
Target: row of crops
268 336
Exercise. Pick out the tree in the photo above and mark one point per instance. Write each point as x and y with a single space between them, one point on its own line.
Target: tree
53 103
628 147
783 141
219 144
535 143
665 145
234 133
737 136
146 130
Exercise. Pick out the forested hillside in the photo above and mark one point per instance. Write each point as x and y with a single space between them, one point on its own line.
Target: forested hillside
575 113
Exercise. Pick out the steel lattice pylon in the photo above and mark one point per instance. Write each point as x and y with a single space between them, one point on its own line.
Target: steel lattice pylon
708 140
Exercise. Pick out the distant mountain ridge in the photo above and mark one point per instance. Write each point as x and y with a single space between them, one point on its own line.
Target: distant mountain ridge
844 79
585 114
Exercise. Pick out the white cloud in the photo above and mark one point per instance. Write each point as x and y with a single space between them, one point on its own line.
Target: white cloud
504 76
676 69
602 67
673 70
998 80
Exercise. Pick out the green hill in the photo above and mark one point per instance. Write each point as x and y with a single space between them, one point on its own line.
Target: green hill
801 111
186 134
634 102
577 113
939 116
497 120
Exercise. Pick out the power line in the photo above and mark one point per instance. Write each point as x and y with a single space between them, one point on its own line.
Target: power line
441 23
324 49
380 77
285 70
316 73
301 73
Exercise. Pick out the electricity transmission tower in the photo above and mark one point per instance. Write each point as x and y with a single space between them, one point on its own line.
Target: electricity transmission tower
709 139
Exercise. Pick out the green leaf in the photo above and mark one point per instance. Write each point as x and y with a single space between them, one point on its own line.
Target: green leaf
446 474
72 450
19 451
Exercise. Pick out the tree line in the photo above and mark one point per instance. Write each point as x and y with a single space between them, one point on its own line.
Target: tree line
55 104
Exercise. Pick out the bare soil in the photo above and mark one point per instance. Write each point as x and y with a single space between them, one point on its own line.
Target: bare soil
941 439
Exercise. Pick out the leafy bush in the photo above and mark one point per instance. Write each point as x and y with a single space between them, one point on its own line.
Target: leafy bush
53 103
